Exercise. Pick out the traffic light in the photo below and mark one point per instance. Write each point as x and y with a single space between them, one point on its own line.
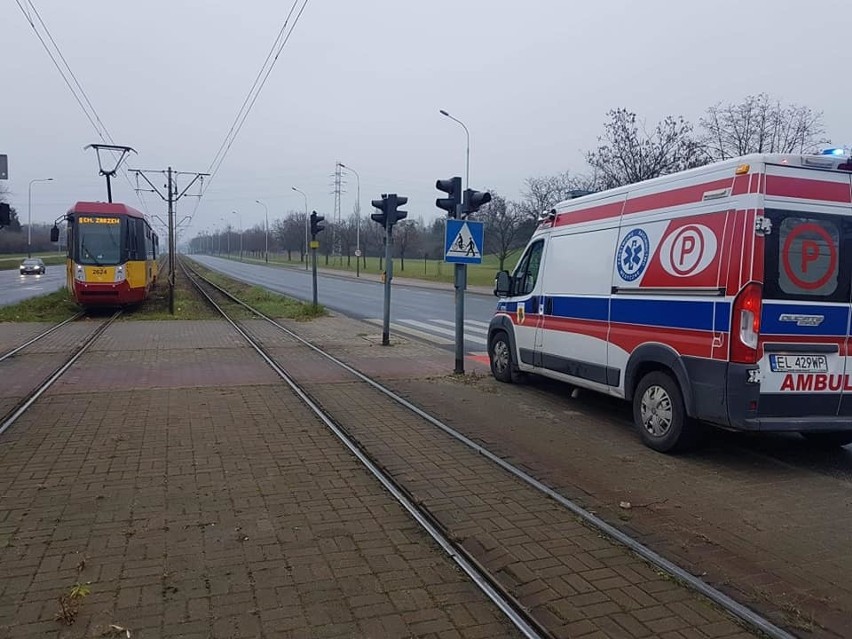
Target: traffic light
5 214
382 216
473 200
316 225
452 187
389 207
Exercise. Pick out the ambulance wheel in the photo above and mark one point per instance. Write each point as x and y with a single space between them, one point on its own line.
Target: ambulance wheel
500 357
660 415
828 440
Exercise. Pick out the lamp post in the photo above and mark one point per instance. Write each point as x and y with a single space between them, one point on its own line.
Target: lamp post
306 223
357 220
240 218
266 234
30 213
467 155
228 240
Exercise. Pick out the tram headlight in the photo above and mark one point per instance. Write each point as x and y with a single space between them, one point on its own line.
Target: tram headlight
79 274
119 273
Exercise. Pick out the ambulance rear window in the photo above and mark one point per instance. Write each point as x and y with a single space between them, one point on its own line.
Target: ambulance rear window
807 257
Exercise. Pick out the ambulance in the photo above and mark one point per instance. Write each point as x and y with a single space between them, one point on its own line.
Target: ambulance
716 295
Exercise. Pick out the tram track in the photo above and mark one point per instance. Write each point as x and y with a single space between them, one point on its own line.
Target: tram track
511 607
743 614
24 403
40 336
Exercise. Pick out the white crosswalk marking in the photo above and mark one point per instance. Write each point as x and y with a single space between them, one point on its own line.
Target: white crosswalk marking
399 328
441 332
434 327
469 325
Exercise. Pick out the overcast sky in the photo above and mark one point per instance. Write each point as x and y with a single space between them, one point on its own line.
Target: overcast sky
362 81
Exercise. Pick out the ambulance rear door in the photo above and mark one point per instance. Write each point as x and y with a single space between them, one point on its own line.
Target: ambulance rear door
807 307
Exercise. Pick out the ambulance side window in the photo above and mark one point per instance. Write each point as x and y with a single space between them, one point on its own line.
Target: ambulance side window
526 273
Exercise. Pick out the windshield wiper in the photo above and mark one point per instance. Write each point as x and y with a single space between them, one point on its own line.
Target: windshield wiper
89 253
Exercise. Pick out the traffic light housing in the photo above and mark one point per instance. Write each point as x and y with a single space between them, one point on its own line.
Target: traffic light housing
5 214
453 188
316 225
380 217
389 209
473 200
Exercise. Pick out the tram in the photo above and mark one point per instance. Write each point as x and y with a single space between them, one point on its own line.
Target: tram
112 254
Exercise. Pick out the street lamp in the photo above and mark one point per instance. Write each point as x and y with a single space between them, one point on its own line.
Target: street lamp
306 223
467 159
240 218
228 241
266 214
357 220
30 213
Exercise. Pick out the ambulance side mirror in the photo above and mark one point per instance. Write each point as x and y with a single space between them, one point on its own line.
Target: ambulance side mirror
54 234
503 284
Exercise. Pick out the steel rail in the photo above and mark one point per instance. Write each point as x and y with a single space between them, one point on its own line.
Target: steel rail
507 604
31 398
40 336
745 614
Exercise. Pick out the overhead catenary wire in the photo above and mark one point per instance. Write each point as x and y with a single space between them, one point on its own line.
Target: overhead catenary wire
80 95
253 87
61 71
262 76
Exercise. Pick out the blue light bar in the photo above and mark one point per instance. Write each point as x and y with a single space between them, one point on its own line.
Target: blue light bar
833 152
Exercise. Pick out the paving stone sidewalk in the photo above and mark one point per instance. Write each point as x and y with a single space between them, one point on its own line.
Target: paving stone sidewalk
218 507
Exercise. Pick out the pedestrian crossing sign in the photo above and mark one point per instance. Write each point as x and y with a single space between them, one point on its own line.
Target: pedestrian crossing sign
463 242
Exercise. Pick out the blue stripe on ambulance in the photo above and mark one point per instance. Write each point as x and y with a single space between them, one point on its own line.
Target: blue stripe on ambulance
835 319
682 314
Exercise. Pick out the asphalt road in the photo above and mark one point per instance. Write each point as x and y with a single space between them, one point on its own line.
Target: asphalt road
15 287
426 313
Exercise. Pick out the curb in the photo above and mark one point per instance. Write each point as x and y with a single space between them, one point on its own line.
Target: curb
410 282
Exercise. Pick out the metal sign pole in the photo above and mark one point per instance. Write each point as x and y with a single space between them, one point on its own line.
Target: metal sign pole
460 284
314 245
388 277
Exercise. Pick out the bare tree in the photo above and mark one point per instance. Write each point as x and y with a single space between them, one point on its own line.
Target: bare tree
289 233
503 220
629 154
15 223
761 124
406 237
543 193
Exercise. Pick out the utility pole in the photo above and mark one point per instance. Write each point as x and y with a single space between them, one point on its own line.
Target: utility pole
173 194
336 248
357 220
171 201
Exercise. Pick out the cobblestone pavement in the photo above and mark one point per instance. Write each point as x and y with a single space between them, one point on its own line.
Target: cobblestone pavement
766 520
770 533
212 506
208 502
22 372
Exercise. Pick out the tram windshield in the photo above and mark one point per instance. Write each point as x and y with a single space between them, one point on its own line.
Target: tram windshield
99 240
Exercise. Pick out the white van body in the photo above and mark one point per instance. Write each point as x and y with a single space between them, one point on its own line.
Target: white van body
719 294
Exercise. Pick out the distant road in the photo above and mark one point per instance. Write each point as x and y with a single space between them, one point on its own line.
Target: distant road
15 287
426 313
